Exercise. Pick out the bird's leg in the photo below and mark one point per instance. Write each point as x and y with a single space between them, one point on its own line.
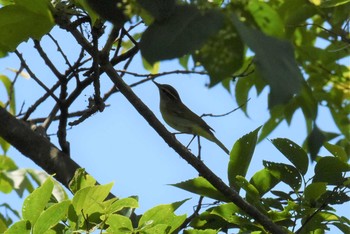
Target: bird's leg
188 145
199 147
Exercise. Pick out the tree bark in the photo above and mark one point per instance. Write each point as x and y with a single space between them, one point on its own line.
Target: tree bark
37 147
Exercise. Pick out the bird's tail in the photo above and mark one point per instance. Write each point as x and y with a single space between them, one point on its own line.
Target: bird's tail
221 145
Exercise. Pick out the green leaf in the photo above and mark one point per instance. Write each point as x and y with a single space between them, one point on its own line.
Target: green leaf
197 231
330 170
7 164
26 19
122 203
35 203
222 55
89 199
314 191
284 172
230 213
160 10
275 63
276 117
307 102
6 184
329 3
264 181
22 226
20 181
267 18
185 31
10 91
50 217
184 61
201 187
342 121
6 2
81 180
153 69
252 193
315 141
337 151
241 156
119 224
162 215
4 145
293 152
111 10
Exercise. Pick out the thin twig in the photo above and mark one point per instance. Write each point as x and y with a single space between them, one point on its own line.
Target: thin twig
47 60
33 76
221 115
192 216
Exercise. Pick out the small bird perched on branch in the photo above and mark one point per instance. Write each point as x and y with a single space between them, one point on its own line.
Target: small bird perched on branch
181 118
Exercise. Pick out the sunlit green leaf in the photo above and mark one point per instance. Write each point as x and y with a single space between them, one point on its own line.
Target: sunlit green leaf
81 180
24 20
10 91
122 203
22 227
35 203
50 217
163 214
264 181
329 3
230 213
119 224
6 184
89 199
266 17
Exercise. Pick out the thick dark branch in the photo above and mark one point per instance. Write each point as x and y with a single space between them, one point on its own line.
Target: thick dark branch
37 147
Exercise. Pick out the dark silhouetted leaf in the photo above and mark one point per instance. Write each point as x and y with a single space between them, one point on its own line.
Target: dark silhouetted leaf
315 141
275 62
286 173
330 170
293 152
185 31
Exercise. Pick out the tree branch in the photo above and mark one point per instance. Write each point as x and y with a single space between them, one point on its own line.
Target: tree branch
37 148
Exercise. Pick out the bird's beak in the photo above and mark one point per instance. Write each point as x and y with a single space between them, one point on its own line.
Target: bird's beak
158 85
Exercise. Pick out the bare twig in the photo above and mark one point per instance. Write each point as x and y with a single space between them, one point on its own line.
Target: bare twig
192 216
47 60
239 107
33 76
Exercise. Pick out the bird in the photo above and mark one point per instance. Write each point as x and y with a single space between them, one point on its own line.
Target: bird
178 116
